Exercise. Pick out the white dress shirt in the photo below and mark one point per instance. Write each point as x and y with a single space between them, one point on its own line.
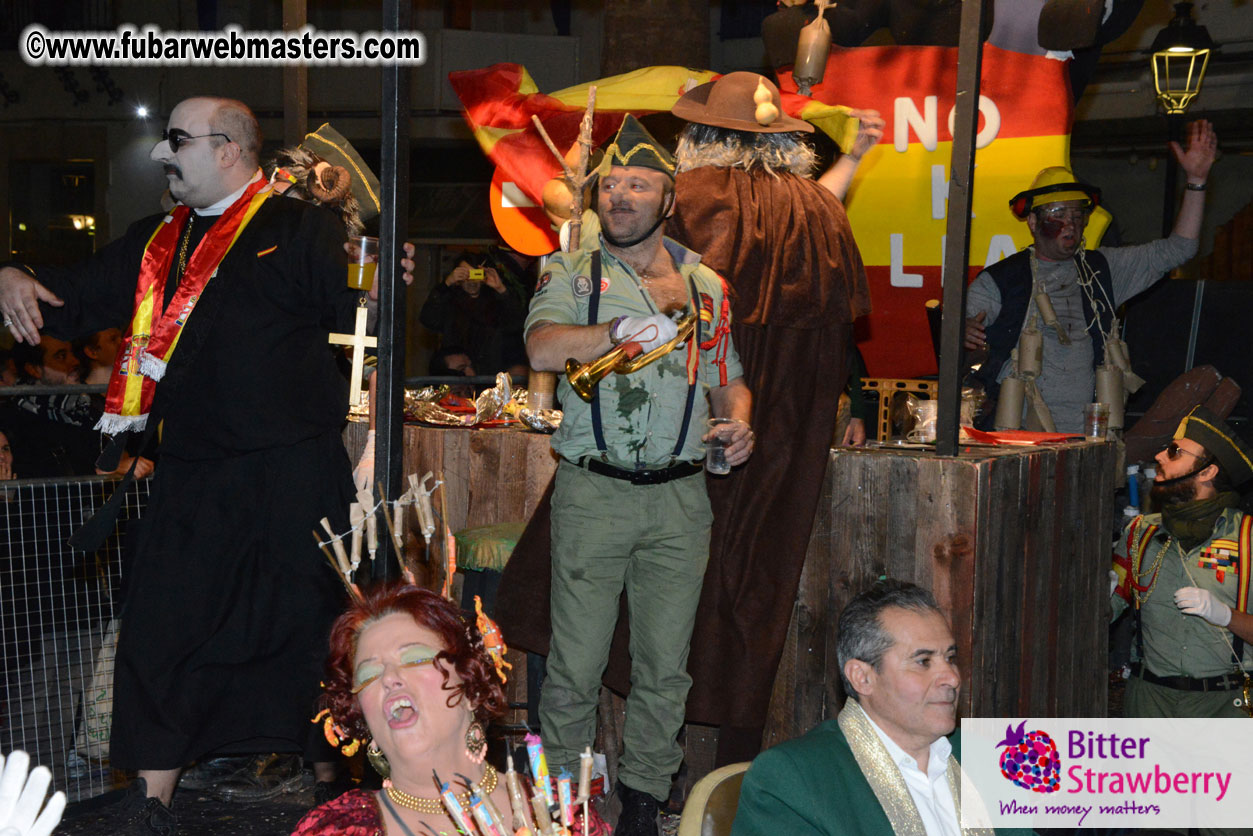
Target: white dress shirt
930 790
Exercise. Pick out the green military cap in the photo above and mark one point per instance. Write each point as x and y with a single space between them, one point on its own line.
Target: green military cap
1219 440
634 145
330 145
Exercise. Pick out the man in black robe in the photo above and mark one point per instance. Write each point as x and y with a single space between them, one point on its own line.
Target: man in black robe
229 601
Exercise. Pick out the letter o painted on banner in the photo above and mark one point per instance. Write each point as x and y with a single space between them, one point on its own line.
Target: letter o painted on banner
991 121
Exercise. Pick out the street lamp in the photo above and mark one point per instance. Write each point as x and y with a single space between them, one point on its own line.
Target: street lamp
1180 55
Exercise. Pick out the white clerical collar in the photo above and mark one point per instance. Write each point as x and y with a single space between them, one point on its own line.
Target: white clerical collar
938 753
225 203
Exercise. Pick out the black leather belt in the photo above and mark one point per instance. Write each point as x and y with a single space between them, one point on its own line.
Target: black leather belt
1223 682
639 477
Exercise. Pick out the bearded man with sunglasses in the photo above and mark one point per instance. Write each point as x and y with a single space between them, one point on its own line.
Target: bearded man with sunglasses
1184 574
1085 287
228 301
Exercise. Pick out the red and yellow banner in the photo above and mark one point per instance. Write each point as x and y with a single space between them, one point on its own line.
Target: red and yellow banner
898 202
500 100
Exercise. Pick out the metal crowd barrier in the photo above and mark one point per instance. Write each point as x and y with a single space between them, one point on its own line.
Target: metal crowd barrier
57 627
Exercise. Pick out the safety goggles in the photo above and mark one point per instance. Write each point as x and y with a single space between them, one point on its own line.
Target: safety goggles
177 137
1174 451
1075 214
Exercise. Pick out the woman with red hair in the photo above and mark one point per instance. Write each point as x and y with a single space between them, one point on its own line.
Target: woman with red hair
409 679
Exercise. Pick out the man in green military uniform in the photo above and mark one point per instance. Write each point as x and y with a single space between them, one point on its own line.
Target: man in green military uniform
1184 573
629 507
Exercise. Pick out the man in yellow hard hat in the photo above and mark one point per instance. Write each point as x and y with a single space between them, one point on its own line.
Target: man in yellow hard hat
1069 293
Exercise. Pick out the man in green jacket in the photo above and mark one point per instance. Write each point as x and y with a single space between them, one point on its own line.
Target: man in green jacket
885 764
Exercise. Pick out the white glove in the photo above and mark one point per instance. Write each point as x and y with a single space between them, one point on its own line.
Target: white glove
363 473
649 331
20 799
1202 602
1113 581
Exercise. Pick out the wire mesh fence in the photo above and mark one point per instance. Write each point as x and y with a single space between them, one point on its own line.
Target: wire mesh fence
58 628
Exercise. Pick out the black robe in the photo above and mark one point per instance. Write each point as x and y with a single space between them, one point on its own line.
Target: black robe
229 602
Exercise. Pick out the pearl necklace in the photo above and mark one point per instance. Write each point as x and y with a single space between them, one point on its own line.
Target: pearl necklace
435 806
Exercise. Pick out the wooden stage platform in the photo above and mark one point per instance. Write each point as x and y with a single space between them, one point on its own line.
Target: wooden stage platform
1013 541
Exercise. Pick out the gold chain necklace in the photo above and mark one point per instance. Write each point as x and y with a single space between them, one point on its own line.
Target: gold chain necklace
435 806
1157 565
182 250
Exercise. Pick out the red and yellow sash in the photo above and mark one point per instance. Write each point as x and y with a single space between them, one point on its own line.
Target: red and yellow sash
153 333
1246 557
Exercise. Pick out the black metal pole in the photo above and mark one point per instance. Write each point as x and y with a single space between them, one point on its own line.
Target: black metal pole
1174 133
295 79
393 229
957 245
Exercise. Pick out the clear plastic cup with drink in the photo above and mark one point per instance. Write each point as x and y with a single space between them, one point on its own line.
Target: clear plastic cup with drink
720 430
363 257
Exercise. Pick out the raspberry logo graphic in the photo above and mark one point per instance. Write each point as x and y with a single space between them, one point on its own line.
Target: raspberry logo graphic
1030 759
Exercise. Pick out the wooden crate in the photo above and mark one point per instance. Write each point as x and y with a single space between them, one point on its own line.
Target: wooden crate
1028 600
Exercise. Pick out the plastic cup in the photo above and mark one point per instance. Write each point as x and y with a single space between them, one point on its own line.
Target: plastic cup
363 256
716 447
1096 420
924 423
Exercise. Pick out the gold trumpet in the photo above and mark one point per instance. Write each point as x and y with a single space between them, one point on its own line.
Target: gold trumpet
623 359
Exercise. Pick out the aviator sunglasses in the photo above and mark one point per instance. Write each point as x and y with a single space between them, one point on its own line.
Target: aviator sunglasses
1174 451
177 137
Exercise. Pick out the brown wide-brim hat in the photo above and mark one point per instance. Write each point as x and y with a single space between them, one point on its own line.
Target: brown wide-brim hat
728 102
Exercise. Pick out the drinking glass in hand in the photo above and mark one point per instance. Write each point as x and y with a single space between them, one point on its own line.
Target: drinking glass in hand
716 447
363 256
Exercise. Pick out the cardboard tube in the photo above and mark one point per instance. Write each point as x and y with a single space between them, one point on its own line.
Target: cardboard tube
1009 404
1116 355
1109 390
1030 352
1039 418
1044 305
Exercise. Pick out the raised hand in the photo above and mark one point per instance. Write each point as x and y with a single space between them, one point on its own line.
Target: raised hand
1200 153
869 132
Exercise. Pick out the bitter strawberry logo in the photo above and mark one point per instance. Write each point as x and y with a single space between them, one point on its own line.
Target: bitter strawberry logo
1030 759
